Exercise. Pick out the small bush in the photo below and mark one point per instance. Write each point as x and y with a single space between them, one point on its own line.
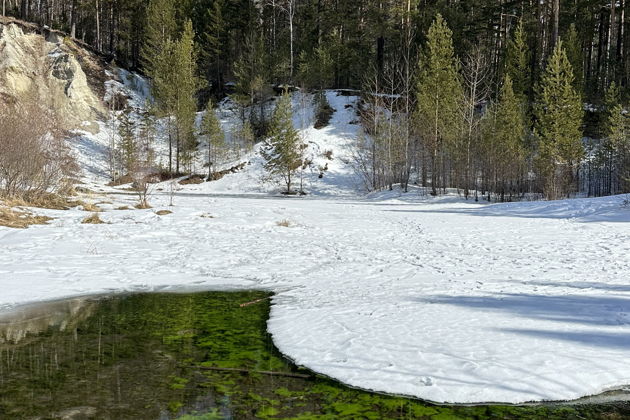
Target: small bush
93 219
284 223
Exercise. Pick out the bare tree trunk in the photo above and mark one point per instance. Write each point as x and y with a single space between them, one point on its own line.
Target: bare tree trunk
73 19
98 27
291 14
556 22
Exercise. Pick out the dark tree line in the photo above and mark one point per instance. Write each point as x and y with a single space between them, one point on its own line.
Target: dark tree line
356 34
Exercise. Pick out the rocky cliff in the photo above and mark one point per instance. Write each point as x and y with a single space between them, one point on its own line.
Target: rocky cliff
52 69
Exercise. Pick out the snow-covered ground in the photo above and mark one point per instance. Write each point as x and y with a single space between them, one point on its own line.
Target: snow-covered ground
446 301
435 298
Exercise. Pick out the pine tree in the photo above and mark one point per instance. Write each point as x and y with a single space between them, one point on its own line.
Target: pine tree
160 29
187 83
614 150
316 69
212 43
127 141
283 151
517 65
574 54
211 129
620 138
439 94
508 139
559 115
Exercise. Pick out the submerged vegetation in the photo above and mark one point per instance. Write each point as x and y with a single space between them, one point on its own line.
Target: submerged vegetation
194 357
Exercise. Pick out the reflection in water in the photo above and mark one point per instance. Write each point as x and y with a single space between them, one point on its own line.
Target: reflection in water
188 356
30 320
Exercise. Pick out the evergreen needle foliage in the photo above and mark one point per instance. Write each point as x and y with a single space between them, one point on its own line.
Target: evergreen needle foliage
283 150
559 115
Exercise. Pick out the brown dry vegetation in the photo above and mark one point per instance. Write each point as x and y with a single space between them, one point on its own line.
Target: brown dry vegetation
284 223
92 219
91 207
35 162
20 219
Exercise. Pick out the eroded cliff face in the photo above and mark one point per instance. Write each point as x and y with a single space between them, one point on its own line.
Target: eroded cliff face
48 69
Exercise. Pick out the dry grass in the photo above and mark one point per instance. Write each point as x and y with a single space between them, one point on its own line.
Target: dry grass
44 201
92 219
19 219
141 206
123 208
91 207
284 223
163 212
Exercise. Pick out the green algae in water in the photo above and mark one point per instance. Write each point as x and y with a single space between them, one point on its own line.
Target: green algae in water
145 356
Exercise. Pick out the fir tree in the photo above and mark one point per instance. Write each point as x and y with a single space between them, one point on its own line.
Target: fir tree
439 95
211 129
283 151
559 115
517 65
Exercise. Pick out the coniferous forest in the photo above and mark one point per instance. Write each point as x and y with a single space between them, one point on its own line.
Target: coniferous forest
500 99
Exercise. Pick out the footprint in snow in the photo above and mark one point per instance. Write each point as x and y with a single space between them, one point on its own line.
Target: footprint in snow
426 381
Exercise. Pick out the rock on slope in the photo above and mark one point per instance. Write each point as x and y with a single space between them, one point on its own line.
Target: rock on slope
47 68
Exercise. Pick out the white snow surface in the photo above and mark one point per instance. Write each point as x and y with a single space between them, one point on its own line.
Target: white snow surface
436 298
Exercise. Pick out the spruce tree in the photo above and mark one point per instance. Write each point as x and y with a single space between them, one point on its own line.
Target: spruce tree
439 94
517 65
283 151
211 129
558 113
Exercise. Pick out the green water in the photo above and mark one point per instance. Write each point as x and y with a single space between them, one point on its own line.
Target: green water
143 356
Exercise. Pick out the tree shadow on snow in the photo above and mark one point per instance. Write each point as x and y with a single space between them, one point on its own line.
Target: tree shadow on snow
609 209
592 311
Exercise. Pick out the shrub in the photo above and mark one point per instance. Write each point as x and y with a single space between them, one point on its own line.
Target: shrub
34 158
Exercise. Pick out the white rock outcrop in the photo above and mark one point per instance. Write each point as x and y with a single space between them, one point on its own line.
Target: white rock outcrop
47 69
